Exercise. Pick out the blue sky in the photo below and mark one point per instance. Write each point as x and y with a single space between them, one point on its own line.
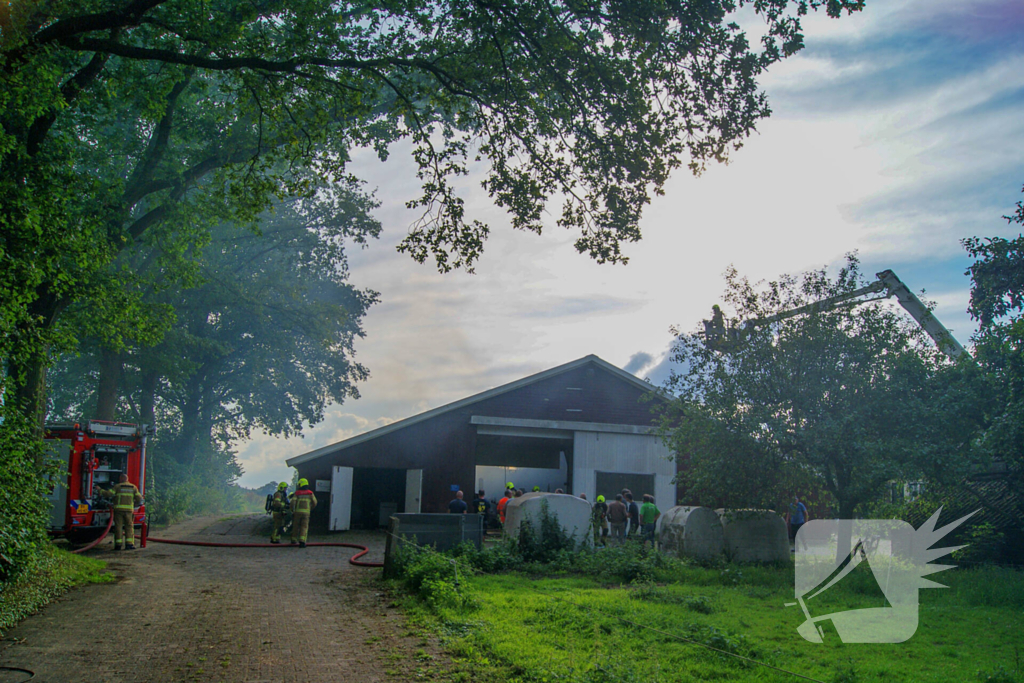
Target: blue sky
895 133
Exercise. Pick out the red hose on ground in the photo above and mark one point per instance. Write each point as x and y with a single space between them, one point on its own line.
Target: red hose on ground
209 544
97 541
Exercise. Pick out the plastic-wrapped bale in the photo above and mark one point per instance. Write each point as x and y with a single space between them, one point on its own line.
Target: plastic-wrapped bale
754 536
695 532
573 514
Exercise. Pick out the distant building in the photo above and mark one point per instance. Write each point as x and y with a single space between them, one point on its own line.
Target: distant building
581 426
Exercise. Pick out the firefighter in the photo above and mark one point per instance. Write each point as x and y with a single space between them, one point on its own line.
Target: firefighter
303 502
277 507
126 499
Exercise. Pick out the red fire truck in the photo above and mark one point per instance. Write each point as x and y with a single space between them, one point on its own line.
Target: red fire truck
94 454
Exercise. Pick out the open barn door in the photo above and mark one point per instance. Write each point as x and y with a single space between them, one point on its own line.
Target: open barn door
341 499
413 490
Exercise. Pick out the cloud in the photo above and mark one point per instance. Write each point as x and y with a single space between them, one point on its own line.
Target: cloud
895 132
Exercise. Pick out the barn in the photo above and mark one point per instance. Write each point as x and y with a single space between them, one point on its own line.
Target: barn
584 427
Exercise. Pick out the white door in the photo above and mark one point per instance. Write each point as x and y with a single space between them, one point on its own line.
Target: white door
341 499
413 490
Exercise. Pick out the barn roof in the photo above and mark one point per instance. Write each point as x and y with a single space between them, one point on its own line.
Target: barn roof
475 398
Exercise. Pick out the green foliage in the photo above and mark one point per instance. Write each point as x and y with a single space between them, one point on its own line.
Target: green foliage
54 573
545 541
840 400
24 496
432 577
996 384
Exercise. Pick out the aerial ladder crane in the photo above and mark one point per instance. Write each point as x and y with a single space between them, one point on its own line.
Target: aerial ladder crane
887 285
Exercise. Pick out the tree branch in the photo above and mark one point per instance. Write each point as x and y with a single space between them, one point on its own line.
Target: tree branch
129 15
157 146
70 91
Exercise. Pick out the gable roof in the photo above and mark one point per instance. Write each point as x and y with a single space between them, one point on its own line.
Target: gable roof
475 398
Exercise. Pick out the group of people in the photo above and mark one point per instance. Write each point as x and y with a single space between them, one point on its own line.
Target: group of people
621 519
300 504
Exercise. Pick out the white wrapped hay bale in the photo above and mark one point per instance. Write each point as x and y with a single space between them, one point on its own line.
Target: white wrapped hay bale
573 514
695 532
754 536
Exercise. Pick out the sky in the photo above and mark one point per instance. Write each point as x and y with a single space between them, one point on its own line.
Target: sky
895 133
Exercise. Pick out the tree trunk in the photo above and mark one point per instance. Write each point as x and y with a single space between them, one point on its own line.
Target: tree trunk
147 397
111 369
26 366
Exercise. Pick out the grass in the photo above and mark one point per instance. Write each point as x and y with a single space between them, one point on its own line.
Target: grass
57 572
528 628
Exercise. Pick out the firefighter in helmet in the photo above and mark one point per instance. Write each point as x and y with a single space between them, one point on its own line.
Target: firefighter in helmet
303 502
126 499
277 507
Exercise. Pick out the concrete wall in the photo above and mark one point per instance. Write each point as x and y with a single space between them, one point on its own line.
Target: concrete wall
695 532
608 452
754 536
574 514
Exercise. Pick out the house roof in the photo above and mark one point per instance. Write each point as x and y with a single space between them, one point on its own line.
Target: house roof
475 398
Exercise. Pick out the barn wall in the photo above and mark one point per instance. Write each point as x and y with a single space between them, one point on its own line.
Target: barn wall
444 446
601 451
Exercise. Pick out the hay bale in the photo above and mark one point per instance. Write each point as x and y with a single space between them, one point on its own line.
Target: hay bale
695 532
574 514
754 536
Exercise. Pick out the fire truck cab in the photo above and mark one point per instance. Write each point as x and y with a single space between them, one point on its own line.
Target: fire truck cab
94 455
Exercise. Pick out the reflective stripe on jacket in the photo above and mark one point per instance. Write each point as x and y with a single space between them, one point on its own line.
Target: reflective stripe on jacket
303 502
126 496
280 498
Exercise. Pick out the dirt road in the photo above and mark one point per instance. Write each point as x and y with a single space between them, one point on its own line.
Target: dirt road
180 613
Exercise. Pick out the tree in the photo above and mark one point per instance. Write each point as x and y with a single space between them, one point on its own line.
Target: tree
997 303
843 400
265 339
132 122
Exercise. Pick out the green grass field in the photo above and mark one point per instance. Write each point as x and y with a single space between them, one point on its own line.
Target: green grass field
527 628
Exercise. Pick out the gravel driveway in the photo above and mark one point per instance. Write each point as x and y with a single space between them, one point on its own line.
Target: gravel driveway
180 613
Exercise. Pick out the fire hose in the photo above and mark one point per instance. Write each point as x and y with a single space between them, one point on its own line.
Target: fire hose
354 560
97 541
208 544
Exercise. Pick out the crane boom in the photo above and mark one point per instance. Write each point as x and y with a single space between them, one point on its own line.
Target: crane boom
887 282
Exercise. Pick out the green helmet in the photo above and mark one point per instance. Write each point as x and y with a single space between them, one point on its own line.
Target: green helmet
303 482
600 499
282 486
536 489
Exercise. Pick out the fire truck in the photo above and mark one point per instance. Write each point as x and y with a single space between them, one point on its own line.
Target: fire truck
93 455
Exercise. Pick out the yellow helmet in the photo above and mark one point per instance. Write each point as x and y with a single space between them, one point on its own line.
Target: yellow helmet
282 486
303 482
509 486
600 499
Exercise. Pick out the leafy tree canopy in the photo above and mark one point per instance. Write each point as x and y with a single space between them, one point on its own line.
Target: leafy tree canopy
150 120
841 400
997 302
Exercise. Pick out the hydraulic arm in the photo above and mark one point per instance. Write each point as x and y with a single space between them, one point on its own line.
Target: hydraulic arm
887 285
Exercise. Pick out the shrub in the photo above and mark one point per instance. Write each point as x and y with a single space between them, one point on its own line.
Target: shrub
542 542
24 494
432 577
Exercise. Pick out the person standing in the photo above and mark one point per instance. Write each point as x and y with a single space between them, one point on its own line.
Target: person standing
458 506
649 514
601 521
277 506
502 504
617 516
126 498
303 503
797 518
633 510
481 505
